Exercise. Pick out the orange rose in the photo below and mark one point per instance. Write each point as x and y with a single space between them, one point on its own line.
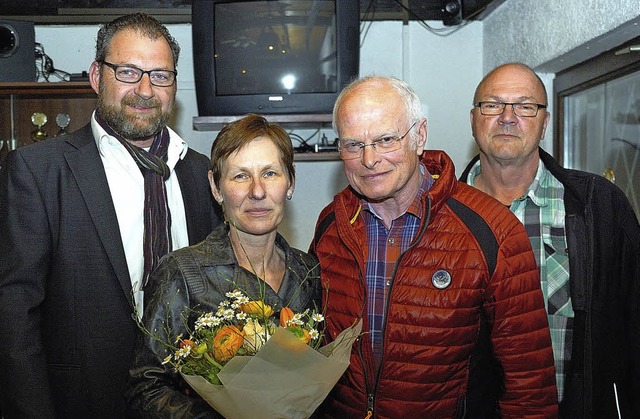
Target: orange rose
286 314
257 308
227 342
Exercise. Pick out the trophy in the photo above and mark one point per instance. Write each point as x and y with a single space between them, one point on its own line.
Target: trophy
62 120
609 174
38 119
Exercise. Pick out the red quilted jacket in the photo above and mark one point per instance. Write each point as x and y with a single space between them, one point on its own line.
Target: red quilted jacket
430 333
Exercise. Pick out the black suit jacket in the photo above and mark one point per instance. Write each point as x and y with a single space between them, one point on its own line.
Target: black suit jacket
66 306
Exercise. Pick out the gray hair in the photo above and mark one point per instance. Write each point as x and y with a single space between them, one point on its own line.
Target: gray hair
412 104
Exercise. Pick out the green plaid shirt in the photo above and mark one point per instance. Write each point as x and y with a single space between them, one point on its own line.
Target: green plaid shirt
541 211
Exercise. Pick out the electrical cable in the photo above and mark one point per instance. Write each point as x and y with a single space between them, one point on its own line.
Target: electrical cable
436 31
46 68
304 145
367 22
304 142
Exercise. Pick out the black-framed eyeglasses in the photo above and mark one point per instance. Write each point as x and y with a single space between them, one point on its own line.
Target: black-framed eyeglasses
526 110
350 150
130 74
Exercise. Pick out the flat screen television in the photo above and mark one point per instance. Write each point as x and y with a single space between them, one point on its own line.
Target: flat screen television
273 56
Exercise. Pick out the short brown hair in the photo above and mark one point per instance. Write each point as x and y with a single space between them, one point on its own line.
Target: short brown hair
143 23
240 133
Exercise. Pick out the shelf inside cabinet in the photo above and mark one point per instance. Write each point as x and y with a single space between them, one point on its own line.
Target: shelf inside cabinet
321 156
292 121
20 100
215 123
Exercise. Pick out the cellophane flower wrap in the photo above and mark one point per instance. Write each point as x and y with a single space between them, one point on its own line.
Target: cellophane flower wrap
247 366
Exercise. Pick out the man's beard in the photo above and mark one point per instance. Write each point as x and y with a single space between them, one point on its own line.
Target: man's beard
138 128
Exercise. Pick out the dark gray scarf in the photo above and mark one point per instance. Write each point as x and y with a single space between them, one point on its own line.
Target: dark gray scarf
157 217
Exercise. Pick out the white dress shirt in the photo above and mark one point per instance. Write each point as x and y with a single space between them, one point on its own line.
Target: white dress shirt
126 184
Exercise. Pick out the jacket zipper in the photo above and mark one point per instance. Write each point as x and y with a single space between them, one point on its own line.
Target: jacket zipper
587 356
369 406
371 392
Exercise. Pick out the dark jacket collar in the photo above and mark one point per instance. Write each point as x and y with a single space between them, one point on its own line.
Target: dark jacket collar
577 183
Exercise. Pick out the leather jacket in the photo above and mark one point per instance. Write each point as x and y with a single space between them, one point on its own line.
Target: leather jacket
197 277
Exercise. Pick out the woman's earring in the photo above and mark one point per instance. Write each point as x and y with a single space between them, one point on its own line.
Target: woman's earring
289 195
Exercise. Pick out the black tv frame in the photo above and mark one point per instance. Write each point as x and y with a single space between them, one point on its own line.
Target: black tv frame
209 104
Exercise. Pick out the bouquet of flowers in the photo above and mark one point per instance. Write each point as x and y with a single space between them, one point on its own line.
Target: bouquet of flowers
241 362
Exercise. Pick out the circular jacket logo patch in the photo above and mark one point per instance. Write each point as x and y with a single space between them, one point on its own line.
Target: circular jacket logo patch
441 279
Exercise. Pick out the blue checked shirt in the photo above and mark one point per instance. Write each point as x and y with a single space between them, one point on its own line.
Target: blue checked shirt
385 248
542 212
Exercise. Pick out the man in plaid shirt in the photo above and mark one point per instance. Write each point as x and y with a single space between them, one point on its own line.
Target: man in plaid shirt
586 240
436 270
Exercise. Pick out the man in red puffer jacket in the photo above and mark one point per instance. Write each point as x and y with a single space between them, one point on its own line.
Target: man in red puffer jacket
440 272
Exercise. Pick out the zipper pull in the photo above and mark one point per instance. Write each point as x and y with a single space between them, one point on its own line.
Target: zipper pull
369 407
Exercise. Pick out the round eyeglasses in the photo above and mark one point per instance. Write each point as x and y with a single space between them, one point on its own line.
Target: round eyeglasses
350 149
527 110
130 74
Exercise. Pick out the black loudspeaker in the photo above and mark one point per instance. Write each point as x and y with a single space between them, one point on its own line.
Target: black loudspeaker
452 13
17 51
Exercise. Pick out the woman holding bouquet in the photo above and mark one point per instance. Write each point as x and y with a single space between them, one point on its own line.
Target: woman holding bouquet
252 176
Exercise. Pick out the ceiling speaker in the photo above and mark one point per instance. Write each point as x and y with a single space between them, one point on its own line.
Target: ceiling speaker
17 51
452 13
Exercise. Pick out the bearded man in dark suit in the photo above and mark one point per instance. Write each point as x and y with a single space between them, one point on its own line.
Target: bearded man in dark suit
84 219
